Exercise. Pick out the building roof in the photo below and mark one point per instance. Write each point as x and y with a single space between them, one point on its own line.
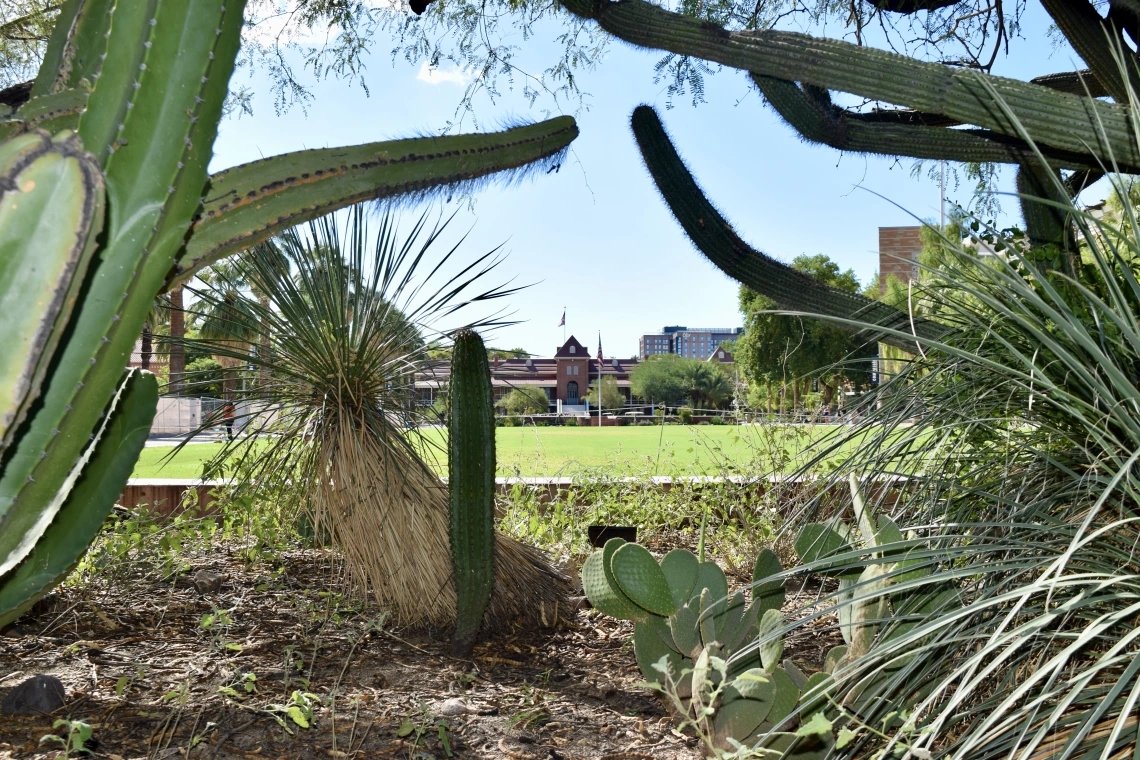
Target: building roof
579 352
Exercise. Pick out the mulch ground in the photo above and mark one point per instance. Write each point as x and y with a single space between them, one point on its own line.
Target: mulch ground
162 669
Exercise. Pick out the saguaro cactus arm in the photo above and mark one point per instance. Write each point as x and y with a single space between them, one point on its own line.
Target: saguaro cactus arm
109 463
471 486
250 203
714 237
52 195
817 120
152 152
1080 125
1094 38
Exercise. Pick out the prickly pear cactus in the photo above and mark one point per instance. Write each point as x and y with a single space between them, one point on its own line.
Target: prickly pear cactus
133 92
767 701
471 487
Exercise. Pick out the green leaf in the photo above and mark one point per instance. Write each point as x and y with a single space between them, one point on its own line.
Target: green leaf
406 728
819 725
297 715
845 737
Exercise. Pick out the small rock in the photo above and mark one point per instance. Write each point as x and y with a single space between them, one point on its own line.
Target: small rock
206 582
453 707
38 695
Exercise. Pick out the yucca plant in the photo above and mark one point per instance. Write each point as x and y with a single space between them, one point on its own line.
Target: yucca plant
346 316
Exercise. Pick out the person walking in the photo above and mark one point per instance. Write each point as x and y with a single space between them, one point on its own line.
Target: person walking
228 415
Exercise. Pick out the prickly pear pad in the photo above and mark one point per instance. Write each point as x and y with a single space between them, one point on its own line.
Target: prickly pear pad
640 577
680 569
606 598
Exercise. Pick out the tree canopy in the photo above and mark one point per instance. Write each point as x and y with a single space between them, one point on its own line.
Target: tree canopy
779 349
671 379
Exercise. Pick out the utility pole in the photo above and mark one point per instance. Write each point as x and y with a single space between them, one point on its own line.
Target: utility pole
942 195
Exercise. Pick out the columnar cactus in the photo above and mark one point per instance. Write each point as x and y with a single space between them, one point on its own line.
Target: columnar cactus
1069 127
133 92
714 237
471 486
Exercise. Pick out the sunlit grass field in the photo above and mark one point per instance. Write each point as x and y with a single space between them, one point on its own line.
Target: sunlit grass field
567 451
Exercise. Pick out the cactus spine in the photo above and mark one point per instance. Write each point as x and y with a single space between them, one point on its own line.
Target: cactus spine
471 487
135 90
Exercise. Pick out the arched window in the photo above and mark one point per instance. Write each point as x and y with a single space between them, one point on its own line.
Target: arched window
572 393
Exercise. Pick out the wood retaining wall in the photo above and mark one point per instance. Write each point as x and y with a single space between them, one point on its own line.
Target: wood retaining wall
167 496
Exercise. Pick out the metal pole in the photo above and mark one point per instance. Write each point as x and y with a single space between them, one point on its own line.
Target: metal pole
942 193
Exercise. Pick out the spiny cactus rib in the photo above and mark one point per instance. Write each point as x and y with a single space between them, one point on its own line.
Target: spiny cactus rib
1093 37
471 487
1045 223
143 175
51 209
55 112
59 48
716 239
1063 121
824 123
249 203
1082 82
112 458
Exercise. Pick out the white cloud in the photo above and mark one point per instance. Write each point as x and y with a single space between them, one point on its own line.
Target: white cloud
453 75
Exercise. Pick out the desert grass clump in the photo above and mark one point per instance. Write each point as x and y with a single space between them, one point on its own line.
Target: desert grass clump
1013 445
346 321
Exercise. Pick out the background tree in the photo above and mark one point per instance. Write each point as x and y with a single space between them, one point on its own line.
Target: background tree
612 397
658 380
525 400
779 350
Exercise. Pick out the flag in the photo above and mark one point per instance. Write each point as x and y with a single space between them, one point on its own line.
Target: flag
599 347
563 322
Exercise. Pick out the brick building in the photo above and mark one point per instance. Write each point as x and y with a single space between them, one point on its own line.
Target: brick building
565 377
695 343
898 254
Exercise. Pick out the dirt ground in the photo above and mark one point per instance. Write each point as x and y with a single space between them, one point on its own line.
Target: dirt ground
161 669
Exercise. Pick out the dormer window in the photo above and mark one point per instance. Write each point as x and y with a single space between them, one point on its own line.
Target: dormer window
573 349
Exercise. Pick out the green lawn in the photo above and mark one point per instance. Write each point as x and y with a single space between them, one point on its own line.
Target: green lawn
530 451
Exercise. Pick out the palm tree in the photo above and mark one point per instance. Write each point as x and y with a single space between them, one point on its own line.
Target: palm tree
342 328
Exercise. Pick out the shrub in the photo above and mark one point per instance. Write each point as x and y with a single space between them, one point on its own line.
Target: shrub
526 400
717 421
204 378
685 415
571 422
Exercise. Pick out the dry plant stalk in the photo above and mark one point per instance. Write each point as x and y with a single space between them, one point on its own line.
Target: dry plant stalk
392 527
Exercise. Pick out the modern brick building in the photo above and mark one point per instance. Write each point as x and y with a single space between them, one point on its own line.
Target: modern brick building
694 343
898 254
565 377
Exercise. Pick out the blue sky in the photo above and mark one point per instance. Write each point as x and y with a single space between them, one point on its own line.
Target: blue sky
595 237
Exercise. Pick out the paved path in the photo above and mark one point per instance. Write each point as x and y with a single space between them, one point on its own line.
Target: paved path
166 439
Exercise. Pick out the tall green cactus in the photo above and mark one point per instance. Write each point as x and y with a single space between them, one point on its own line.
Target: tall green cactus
135 91
471 487
1089 131
715 238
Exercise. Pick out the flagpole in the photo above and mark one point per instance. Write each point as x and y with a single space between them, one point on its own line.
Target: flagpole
564 325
